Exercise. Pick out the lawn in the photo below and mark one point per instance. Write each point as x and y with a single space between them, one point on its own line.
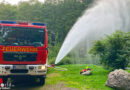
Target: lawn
73 79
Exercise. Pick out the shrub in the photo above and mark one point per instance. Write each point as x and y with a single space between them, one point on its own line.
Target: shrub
66 60
114 50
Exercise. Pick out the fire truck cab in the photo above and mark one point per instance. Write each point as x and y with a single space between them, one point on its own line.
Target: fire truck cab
23 50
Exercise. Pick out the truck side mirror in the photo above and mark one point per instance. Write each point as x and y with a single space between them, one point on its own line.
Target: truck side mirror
53 39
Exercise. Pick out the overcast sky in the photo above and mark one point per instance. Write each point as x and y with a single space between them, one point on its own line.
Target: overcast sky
16 1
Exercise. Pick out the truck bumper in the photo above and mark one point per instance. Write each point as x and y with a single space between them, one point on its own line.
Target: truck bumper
24 70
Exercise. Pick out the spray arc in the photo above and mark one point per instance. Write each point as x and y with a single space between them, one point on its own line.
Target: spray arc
105 17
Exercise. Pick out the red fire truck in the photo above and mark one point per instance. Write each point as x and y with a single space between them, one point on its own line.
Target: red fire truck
23 50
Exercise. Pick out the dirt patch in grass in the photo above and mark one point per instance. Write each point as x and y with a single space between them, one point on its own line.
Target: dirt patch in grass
53 75
59 86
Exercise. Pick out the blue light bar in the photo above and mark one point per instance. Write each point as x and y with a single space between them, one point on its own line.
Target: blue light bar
8 22
39 24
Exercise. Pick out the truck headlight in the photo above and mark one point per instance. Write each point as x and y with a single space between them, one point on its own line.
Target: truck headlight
7 67
31 67
42 67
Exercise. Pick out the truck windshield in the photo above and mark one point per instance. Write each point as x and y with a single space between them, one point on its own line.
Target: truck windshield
21 36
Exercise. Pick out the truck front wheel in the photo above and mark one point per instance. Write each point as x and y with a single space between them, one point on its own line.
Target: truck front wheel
5 79
41 80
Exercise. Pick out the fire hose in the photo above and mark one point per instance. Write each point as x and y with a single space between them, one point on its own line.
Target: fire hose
57 68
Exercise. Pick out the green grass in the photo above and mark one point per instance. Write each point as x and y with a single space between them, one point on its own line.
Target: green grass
128 71
73 79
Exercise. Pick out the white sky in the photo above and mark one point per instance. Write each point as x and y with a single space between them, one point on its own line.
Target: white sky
16 1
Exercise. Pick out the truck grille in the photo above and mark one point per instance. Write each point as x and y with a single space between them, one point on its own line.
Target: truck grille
19 56
19 71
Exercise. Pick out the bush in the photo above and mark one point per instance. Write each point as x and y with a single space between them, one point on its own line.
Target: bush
52 60
66 60
114 50
53 51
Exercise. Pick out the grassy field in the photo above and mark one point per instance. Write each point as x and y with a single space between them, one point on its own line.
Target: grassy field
73 79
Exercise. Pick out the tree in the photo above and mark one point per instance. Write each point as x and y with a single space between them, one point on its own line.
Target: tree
114 50
7 11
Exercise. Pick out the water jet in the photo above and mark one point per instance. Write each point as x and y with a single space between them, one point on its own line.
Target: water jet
104 17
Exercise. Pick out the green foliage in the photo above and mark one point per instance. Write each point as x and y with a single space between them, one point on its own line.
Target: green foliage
66 60
53 51
8 12
114 50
